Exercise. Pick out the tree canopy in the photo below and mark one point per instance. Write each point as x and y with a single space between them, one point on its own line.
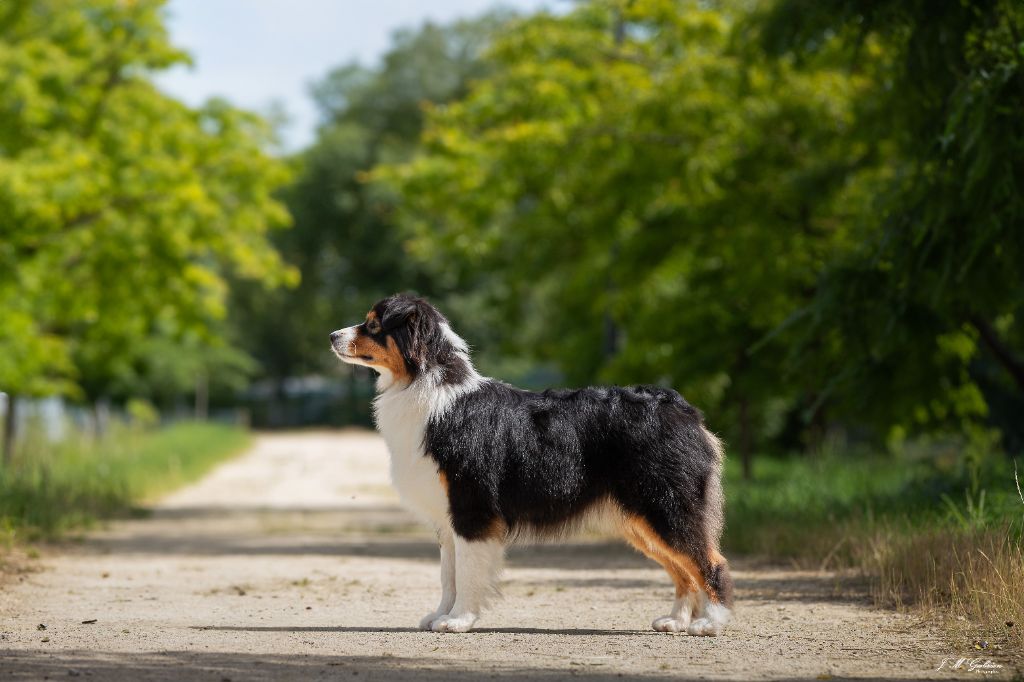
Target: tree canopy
345 239
121 209
639 199
806 217
795 216
927 308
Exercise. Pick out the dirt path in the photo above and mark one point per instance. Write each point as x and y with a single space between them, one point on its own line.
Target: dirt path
295 562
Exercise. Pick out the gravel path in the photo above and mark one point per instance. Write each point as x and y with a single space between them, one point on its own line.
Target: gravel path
295 562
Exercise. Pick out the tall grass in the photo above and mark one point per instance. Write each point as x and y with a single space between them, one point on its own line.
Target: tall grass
53 487
973 578
930 534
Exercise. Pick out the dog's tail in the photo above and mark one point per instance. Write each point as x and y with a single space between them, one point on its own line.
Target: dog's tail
714 498
713 567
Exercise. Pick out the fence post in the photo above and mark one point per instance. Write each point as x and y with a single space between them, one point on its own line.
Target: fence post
10 425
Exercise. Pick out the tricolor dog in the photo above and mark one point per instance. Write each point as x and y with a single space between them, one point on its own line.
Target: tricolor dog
486 463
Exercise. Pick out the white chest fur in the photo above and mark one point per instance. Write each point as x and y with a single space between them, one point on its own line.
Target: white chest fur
402 414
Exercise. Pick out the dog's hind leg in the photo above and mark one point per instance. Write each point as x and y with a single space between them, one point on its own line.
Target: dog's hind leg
477 564
446 541
679 567
686 585
702 581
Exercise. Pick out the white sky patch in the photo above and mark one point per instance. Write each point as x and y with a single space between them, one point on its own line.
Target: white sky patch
256 52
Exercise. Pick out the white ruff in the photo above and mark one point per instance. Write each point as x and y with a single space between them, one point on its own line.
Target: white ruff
402 412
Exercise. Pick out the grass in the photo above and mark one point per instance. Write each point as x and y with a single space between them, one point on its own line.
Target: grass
931 534
52 488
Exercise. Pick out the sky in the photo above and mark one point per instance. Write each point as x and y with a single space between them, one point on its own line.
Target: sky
255 52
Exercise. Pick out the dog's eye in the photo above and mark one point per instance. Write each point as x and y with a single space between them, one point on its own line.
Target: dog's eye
373 326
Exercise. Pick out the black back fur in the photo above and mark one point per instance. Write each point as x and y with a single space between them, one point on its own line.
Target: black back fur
539 460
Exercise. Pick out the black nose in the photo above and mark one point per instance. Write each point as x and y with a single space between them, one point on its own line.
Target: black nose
334 336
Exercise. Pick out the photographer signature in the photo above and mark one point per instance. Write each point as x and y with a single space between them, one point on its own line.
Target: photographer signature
985 666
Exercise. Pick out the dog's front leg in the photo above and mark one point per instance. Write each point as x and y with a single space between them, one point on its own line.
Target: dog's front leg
446 541
477 563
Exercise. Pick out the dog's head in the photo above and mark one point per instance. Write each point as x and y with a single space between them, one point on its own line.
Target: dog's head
403 337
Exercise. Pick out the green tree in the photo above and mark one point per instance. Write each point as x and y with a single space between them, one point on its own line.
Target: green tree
345 241
928 312
121 210
639 201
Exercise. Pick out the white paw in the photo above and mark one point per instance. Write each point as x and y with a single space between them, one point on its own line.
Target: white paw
461 623
428 619
670 624
704 627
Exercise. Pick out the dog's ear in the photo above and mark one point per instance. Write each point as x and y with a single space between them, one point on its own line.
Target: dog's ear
413 325
397 313
424 328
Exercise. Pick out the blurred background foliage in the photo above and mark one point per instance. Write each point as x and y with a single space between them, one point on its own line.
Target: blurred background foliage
805 217
122 212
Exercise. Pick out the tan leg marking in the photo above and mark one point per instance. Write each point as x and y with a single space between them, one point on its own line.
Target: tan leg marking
680 567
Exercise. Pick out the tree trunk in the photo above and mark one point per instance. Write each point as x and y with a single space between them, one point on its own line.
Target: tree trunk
1002 354
202 407
746 439
10 425
817 428
277 414
100 417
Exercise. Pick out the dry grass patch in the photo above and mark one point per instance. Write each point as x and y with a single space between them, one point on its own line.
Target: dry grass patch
972 579
949 546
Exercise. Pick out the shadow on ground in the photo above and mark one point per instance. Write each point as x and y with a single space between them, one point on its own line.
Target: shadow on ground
187 665
369 629
388 532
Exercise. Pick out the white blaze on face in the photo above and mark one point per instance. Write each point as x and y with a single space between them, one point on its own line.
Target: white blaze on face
342 345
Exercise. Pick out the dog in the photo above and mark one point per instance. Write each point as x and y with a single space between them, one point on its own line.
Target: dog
486 463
